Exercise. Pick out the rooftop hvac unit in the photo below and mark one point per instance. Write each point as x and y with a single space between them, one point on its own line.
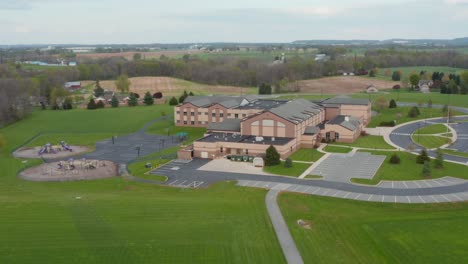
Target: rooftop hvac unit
346 118
258 138
273 139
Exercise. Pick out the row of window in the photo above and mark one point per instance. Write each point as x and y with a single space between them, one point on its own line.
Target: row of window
192 122
212 114
337 135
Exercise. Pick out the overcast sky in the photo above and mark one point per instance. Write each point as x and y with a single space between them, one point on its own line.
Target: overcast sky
175 21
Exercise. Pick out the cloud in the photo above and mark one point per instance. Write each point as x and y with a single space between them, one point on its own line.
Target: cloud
457 2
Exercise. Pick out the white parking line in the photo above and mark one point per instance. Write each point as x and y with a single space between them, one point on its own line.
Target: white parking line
172 183
347 195
316 191
417 184
443 196
181 184
436 181
407 197
328 190
355 198
383 197
424 201
369 197
433 198
458 197
406 186
395 198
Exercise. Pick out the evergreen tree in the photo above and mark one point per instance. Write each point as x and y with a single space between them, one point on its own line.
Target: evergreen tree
396 76
426 170
394 159
414 112
173 101
392 104
439 161
148 99
67 103
181 99
272 156
98 91
422 157
191 94
114 101
288 163
91 104
133 101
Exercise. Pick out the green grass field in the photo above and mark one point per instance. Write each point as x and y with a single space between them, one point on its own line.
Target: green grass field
167 127
257 54
139 170
409 170
374 142
348 231
383 72
117 221
296 170
428 141
432 129
336 149
308 155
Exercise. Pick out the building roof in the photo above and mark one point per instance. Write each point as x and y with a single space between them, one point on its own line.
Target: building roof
226 101
296 111
311 130
227 125
349 122
339 100
237 138
263 104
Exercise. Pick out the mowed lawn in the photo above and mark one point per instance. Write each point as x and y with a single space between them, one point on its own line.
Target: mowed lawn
307 155
429 142
374 142
348 231
409 170
432 129
119 221
336 149
295 171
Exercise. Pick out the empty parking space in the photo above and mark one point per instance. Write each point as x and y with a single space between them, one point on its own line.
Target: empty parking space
343 167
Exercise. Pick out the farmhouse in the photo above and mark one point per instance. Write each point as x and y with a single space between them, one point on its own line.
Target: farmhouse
248 125
72 86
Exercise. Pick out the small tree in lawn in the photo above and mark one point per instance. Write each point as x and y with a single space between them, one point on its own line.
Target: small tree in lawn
426 170
173 101
98 91
91 104
272 156
148 99
381 103
414 112
394 159
123 83
288 163
100 104
191 94
439 160
422 157
392 104
133 101
114 101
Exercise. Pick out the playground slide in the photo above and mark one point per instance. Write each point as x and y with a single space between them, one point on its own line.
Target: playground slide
66 146
43 149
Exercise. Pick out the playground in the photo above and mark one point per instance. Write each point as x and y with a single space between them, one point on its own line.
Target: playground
71 170
49 151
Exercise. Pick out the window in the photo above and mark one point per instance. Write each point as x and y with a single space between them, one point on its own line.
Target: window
178 121
213 114
236 115
185 122
244 115
199 122
178 112
337 136
192 113
229 115
185 113
192 122
199 113
327 136
221 149
206 113
221 114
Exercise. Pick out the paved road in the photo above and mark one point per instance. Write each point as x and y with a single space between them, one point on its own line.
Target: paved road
290 250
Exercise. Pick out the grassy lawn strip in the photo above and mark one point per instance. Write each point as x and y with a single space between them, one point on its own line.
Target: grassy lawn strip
455 153
390 114
304 154
375 142
139 170
430 142
349 231
296 170
432 129
409 170
337 149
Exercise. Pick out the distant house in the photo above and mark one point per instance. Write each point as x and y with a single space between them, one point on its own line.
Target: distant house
321 57
372 89
72 86
425 85
72 63
108 96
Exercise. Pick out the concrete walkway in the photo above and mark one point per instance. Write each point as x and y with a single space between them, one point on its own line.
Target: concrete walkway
290 250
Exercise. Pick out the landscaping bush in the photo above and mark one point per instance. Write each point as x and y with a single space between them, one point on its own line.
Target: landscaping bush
272 156
387 123
135 94
91 104
394 159
414 112
100 104
114 101
157 95
264 89
288 163
396 76
422 157
148 99
364 133
173 101
392 104
396 87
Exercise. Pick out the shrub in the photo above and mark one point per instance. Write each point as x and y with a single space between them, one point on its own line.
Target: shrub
426 170
100 104
392 104
181 99
396 87
387 123
439 161
148 99
133 101
91 104
422 157
396 76
272 156
173 101
288 163
191 94
157 95
264 89
136 95
414 112
67 104
372 73
394 159
114 101
364 133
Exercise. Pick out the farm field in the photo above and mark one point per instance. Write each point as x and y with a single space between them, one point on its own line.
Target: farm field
348 231
267 56
144 55
341 85
409 170
408 70
175 87
118 221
